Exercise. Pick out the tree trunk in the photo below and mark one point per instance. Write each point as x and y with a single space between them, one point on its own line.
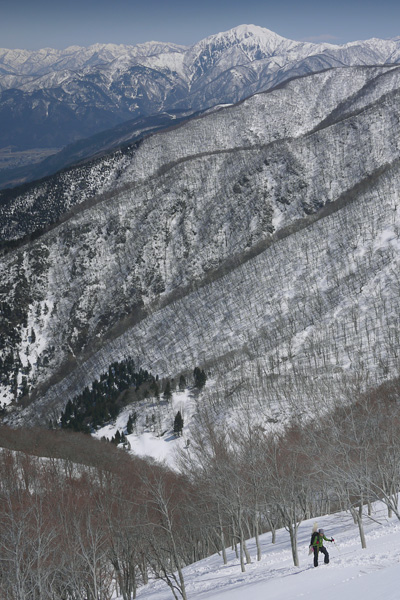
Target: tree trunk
358 519
246 552
293 543
257 540
180 572
234 539
241 548
222 537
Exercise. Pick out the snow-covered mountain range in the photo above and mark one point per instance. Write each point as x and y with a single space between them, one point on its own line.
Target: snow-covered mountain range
50 98
260 241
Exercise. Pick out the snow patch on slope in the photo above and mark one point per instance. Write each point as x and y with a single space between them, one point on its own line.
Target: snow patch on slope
153 436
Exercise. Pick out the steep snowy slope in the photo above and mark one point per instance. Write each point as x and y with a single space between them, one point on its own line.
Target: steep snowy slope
370 574
260 241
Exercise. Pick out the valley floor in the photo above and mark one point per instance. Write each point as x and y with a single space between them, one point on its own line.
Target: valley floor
370 574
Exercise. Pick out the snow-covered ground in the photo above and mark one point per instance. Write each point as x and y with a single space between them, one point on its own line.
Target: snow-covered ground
153 437
353 573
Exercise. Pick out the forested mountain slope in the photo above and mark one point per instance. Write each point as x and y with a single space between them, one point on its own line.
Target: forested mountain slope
260 241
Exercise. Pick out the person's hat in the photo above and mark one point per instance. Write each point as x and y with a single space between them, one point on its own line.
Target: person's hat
321 531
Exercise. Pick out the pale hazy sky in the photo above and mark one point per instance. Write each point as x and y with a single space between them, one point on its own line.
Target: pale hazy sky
35 24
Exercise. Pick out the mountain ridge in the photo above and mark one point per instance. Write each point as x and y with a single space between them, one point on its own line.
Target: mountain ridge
210 145
108 85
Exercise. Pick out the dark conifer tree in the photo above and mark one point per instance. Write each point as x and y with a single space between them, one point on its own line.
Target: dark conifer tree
129 425
167 392
200 378
182 383
178 423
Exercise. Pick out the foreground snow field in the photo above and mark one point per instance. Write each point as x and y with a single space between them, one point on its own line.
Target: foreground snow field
370 574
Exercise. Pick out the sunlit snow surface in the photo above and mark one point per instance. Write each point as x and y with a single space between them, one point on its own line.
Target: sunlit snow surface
156 440
353 573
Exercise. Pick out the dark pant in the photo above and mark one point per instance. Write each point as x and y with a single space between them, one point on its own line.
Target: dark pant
324 551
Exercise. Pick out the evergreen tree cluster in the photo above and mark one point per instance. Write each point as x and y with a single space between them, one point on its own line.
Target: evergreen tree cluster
11 314
94 407
118 438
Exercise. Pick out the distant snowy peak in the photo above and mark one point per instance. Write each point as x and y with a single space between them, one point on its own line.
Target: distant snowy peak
247 37
155 48
250 35
25 62
238 46
268 43
245 45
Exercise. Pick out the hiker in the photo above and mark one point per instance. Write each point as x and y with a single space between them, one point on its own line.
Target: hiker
317 544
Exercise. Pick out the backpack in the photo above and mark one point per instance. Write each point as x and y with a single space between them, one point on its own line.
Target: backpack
313 536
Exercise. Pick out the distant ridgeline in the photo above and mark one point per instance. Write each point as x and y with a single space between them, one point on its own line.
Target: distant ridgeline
107 396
